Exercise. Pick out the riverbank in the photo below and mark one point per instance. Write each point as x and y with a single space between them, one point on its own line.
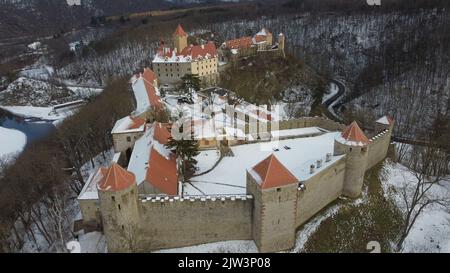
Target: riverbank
12 142
32 129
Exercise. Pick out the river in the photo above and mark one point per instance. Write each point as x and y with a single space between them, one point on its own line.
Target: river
34 130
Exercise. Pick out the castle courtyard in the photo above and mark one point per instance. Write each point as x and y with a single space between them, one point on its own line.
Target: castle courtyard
229 176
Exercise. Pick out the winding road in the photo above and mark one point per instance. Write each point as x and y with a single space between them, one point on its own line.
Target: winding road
332 105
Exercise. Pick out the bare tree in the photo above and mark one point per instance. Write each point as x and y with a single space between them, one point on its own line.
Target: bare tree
429 168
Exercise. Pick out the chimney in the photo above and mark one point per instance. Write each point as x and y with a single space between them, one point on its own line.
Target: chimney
319 163
312 169
328 157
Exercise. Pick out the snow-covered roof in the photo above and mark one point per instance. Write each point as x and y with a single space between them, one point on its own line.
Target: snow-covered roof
187 55
90 191
128 125
140 93
386 120
151 161
263 32
146 94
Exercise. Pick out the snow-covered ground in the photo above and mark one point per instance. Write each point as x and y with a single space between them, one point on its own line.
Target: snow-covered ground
431 232
238 246
206 160
93 242
11 142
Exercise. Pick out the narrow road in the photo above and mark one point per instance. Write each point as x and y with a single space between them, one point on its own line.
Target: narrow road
332 104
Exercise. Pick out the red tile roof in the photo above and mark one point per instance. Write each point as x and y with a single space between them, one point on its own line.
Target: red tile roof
354 133
260 38
180 31
240 43
273 173
162 173
115 178
161 133
199 51
136 123
154 99
149 75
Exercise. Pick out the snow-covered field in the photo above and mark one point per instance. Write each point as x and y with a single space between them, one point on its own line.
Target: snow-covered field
11 142
431 232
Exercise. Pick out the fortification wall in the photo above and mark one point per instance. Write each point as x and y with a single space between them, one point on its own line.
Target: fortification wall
90 209
304 122
320 190
176 222
378 148
124 141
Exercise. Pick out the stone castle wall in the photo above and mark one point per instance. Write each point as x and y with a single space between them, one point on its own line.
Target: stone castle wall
125 141
305 122
378 148
320 190
176 222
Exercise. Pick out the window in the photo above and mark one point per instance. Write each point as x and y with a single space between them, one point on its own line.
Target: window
278 189
128 139
113 198
118 206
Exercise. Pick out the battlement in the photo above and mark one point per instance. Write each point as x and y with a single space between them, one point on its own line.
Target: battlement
194 198
380 136
303 122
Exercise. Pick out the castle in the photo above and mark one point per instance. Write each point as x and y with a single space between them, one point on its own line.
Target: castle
143 206
172 63
257 183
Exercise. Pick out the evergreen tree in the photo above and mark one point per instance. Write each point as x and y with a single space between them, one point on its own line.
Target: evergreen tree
187 150
190 83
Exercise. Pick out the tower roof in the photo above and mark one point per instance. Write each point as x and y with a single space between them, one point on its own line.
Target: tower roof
114 178
386 120
270 173
180 31
354 134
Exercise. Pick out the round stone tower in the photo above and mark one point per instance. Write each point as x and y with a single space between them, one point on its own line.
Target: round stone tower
117 191
354 144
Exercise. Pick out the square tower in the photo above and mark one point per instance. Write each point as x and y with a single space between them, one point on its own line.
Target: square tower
275 207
